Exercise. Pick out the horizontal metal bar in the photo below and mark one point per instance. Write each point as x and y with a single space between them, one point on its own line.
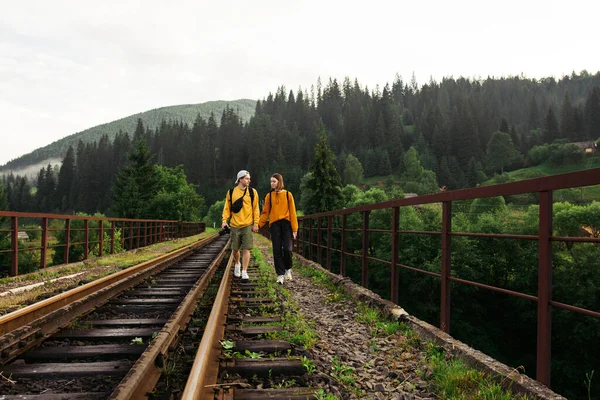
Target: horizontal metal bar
419 270
379 260
496 235
574 239
420 232
494 288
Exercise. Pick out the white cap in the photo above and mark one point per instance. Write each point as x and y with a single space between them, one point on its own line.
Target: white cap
241 174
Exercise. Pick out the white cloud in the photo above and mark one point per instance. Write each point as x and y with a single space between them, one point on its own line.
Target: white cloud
66 66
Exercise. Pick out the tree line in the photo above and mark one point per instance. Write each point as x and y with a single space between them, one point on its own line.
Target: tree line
461 130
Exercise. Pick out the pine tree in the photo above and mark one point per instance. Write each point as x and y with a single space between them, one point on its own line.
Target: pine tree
66 181
503 126
135 185
550 132
322 189
534 115
3 199
140 132
475 174
568 119
592 114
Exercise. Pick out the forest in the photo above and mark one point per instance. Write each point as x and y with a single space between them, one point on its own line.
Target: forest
342 144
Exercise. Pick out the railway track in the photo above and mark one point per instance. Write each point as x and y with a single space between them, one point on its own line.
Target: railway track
114 342
239 361
109 338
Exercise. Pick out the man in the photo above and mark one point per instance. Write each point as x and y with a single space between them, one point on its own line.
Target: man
242 221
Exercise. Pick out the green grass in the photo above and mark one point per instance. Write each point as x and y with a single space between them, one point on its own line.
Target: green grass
453 379
547 169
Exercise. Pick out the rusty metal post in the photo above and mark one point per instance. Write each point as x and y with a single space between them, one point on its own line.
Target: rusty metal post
343 247
139 234
67 239
300 243
145 233
544 325
395 239
310 256
446 266
112 237
319 244
86 238
101 239
130 235
365 249
44 242
329 241
14 246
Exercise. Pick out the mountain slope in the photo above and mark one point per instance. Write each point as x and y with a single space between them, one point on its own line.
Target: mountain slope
186 113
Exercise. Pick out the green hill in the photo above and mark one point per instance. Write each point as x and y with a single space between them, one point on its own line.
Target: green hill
186 113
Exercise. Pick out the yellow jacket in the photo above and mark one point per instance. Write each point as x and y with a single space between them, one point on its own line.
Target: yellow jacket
283 208
248 215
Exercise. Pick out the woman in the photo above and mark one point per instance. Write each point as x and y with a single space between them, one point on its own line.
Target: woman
280 210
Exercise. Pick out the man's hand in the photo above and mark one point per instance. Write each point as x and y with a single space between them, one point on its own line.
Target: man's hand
223 225
255 228
295 234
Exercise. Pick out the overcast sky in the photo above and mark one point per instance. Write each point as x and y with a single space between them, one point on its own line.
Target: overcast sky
66 66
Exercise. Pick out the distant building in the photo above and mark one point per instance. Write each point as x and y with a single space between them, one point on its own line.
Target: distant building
589 146
21 235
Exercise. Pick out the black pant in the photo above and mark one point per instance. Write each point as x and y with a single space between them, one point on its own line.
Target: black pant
281 237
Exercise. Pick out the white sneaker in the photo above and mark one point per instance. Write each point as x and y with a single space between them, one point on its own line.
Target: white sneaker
245 275
280 279
236 270
288 274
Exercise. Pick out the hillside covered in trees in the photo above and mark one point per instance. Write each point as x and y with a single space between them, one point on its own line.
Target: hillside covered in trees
460 130
186 113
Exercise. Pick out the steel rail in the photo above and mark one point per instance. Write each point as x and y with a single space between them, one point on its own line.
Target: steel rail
204 373
25 328
146 371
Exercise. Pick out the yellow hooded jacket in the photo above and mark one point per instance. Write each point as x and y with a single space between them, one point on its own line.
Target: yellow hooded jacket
248 215
283 208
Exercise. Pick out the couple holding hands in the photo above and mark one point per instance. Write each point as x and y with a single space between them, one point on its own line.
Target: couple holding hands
241 214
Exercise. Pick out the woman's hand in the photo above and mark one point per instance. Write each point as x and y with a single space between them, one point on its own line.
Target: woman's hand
295 234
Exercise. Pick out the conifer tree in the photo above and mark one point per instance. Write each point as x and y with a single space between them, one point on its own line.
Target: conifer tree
3 199
322 189
503 126
534 115
592 113
135 185
475 174
568 119
66 181
550 132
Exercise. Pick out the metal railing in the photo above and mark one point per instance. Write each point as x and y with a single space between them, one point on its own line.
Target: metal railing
102 235
314 226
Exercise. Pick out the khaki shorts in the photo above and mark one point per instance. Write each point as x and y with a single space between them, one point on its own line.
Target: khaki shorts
241 238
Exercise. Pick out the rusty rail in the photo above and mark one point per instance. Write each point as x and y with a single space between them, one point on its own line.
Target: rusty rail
544 187
34 323
143 377
134 233
204 373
